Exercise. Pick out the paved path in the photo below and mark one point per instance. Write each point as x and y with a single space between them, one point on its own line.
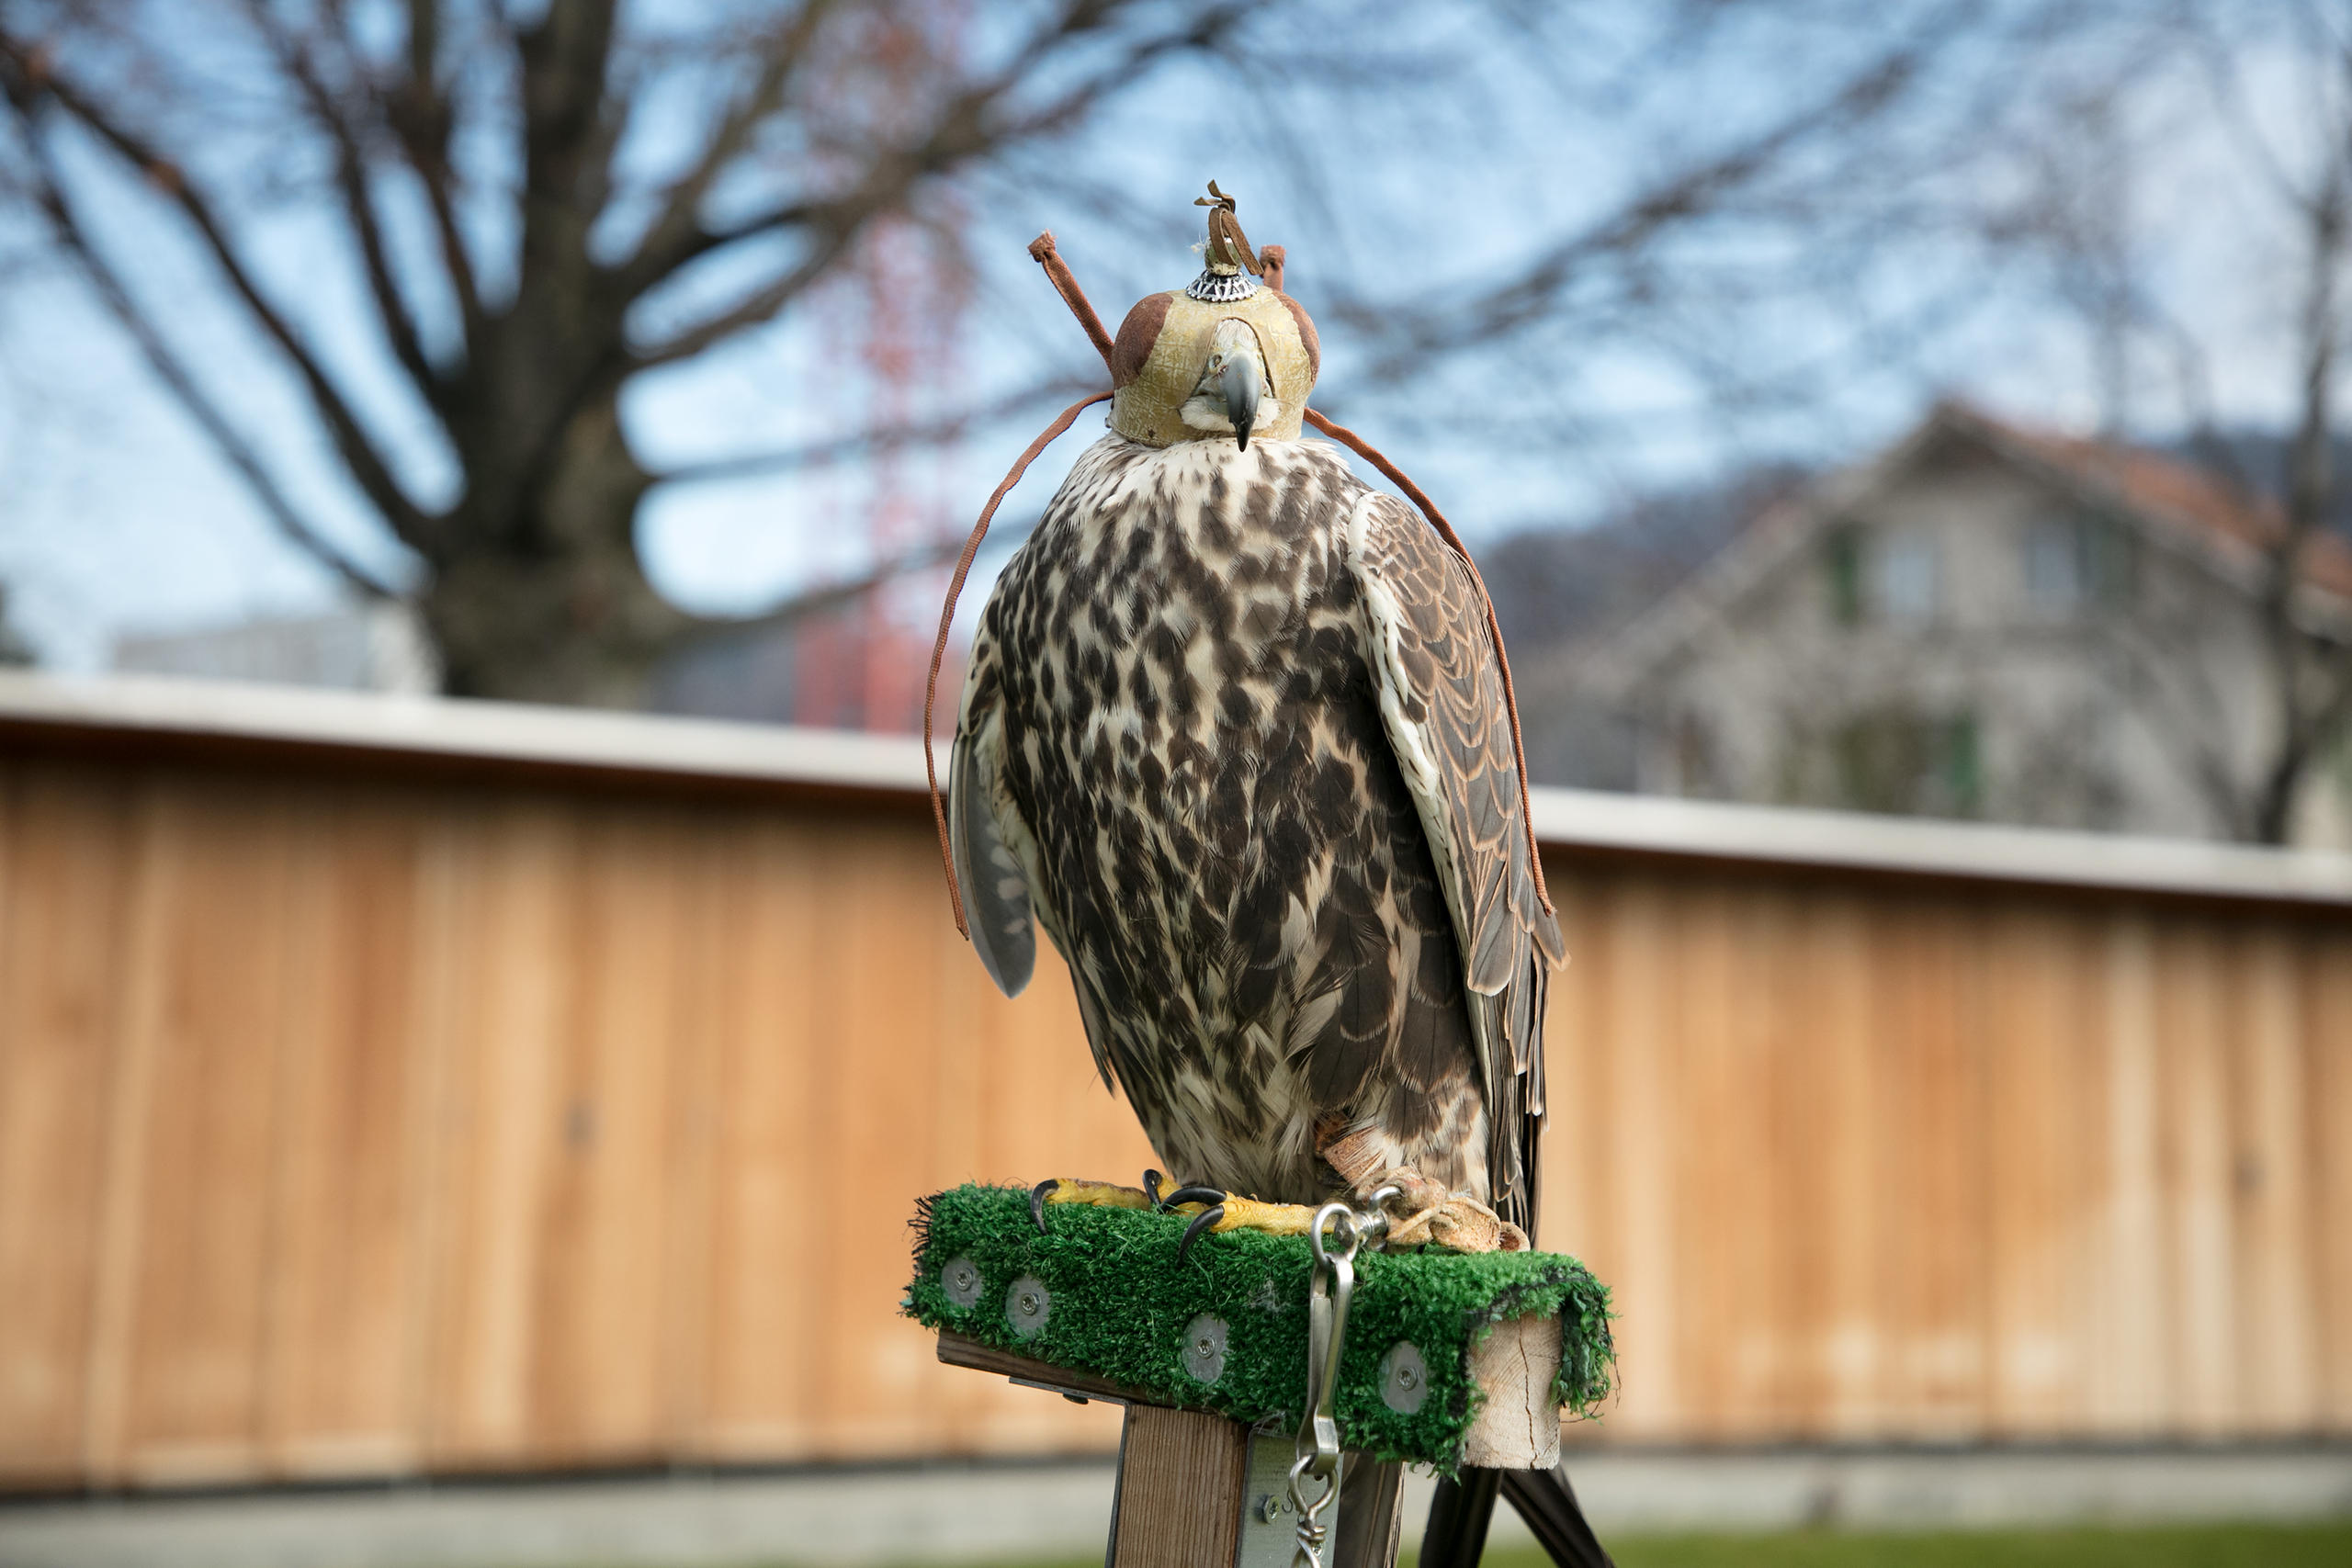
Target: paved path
999 1513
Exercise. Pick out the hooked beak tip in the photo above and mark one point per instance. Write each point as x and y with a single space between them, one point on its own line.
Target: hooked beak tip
1241 400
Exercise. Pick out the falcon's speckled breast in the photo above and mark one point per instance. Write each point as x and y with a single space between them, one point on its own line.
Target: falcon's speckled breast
1177 684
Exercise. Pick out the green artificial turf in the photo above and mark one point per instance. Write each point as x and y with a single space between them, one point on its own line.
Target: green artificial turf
1120 1306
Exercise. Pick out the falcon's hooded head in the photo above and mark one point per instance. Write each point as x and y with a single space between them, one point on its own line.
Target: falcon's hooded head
1228 356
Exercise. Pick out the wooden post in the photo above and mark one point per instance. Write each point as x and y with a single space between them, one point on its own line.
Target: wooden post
1196 1491
1181 1475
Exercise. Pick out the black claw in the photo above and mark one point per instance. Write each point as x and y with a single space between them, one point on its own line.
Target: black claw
1194 1195
1037 1202
1207 1219
1151 1181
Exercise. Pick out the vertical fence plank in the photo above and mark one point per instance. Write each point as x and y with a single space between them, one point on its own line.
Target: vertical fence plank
767 1183
2192 1022
513 913
65 844
1847 1133
1932 1169
1645 1125
2277 1371
2131 1375
127 1138
2041 1151
2327 1047
598 1374
199 1306
1579 1210
345 1270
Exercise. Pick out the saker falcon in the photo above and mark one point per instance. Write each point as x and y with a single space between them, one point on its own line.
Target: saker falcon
1234 732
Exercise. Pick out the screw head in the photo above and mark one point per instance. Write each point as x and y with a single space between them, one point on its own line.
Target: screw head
1204 1339
1404 1378
959 1279
1027 1304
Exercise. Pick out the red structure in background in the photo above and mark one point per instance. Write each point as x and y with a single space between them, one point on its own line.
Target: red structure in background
899 320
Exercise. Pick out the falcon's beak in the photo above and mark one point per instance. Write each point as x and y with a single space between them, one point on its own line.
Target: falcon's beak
1240 383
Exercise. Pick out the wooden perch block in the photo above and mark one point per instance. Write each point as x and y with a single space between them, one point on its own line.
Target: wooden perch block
1518 1428
1451 1358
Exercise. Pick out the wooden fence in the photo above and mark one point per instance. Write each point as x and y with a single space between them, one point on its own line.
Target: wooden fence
448 1091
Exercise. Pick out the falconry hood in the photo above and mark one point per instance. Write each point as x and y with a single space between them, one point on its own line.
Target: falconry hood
1165 344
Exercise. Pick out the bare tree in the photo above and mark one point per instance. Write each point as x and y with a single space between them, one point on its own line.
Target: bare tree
520 264
2310 666
530 581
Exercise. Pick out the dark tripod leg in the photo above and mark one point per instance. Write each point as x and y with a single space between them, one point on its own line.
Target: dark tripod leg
1548 1504
1371 1507
1456 1534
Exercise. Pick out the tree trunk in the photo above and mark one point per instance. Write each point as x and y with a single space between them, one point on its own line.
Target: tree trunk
548 602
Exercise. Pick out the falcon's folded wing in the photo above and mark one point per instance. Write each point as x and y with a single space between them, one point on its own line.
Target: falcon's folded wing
1442 705
995 887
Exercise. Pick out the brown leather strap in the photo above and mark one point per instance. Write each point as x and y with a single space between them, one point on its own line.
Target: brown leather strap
1041 250
1273 256
948 622
1372 455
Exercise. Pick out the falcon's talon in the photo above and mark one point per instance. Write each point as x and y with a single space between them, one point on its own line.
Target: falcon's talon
1207 1220
1195 1195
1037 1201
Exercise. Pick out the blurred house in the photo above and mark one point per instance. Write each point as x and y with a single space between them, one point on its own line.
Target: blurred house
858 663
1984 622
358 648
853 663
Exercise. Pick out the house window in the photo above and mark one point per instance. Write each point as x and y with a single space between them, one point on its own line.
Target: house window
2053 566
1910 763
2075 561
1842 565
1906 580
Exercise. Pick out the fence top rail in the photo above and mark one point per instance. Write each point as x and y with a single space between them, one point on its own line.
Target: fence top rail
133 713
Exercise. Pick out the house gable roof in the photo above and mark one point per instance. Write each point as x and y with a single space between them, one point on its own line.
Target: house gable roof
2181 506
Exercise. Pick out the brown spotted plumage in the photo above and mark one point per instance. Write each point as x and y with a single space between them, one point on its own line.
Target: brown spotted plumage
1234 734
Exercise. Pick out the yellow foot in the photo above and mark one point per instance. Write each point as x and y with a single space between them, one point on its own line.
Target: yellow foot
1209 1209
1099 1194
1213 1210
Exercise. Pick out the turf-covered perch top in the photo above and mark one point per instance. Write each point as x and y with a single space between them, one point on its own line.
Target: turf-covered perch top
1101 1292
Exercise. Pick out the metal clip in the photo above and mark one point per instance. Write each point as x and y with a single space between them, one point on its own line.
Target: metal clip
1318 1446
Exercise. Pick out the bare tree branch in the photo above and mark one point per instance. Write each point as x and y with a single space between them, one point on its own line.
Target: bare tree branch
419 112
359 207
927 432
673 237
234 447
358 452
958 133
1536 289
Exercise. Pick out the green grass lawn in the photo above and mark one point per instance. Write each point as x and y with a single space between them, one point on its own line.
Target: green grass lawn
2224 1546
2210 1546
